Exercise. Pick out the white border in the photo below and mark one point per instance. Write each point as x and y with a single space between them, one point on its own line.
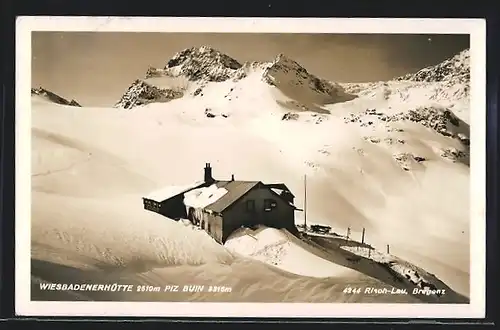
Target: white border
475 27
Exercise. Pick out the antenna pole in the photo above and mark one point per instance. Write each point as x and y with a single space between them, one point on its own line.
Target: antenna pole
305 202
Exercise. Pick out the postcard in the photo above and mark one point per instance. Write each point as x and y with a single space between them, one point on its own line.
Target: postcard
256 167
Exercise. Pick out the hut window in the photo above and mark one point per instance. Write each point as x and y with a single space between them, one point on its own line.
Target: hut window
269 204
250 205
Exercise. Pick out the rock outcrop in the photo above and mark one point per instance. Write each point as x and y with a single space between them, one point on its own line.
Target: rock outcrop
199 64
455 69
442 120
453 74
142 93
53 97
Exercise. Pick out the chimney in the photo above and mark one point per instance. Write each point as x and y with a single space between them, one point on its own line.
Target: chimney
208 173
232 177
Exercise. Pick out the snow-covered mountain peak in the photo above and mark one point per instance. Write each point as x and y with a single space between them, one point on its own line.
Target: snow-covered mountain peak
201 63
284 71
286 61
197 67
286 65
454 70
53 97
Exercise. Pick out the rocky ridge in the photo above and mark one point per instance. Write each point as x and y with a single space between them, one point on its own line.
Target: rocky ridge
53 97
142 93
202 65
455 69
199 63
442 120
448 80
285 70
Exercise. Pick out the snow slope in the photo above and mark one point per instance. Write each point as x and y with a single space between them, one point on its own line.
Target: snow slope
388 156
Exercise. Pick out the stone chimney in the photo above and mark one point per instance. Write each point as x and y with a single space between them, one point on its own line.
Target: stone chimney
232 177
208 173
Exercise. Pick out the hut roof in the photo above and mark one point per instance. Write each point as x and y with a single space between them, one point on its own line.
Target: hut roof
235 190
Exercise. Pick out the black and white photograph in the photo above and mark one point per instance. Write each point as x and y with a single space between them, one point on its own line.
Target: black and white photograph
339 167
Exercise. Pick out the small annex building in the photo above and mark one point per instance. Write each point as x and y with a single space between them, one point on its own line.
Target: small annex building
222 206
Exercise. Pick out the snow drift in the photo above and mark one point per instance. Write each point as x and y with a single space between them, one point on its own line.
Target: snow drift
283 250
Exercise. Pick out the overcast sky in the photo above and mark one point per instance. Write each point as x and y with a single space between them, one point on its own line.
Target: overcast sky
95 68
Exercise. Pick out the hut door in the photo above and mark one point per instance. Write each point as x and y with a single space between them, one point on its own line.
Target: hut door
268 213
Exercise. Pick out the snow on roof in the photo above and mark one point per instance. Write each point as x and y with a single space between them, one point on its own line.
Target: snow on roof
171 191
279 187
278 191
216 198
201 197
236 189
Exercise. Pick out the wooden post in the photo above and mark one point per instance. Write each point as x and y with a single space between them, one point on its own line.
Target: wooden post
387 248
347 234
305 203
369 252
363 236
